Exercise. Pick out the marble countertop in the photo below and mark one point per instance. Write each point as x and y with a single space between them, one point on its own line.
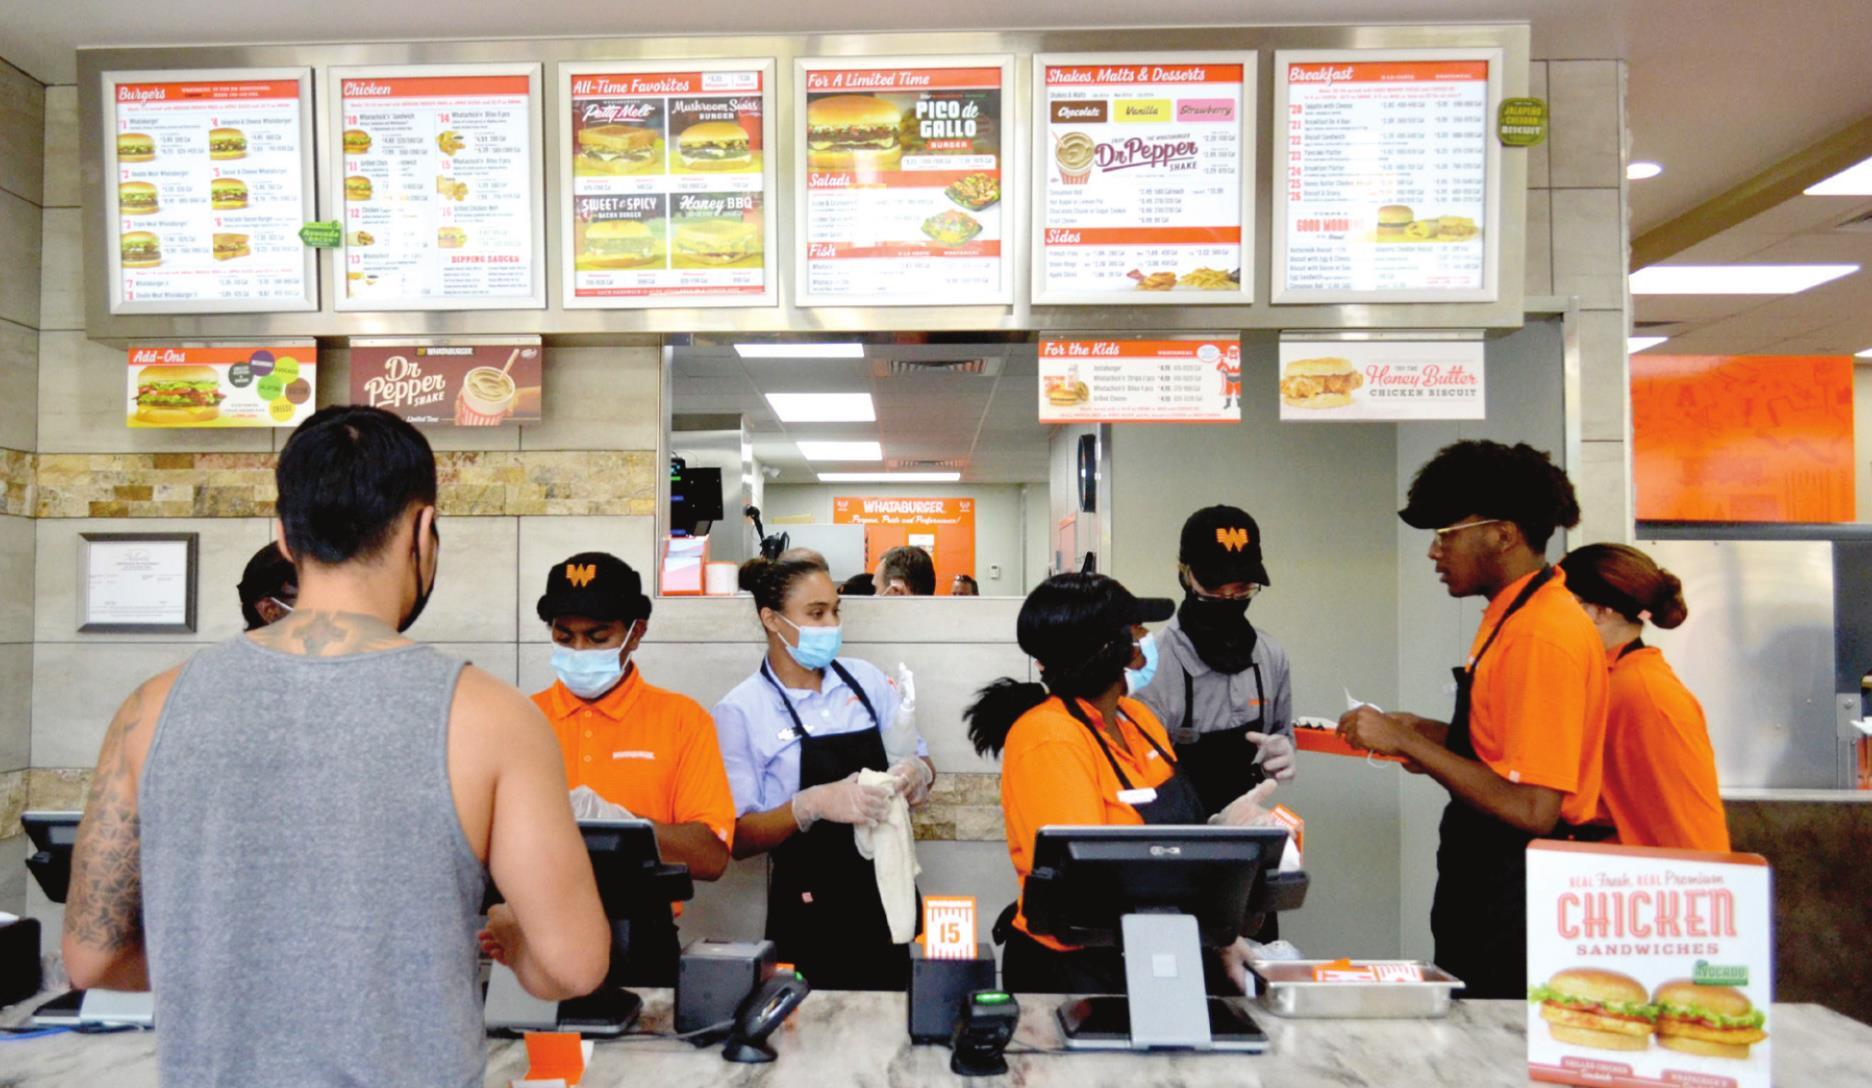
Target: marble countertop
839 1038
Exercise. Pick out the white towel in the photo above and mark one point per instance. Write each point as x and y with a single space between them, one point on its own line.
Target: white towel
891 847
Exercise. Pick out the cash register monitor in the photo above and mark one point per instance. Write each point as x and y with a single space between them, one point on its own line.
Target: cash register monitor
1161 894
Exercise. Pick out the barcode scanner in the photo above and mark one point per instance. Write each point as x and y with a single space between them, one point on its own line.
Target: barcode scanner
982 1032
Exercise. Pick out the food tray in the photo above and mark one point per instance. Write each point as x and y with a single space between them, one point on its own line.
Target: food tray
1288 989
1328 742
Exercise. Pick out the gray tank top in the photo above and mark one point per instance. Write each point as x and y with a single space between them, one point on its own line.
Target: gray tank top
309 899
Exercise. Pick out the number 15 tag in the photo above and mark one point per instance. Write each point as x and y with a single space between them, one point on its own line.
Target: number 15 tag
948 927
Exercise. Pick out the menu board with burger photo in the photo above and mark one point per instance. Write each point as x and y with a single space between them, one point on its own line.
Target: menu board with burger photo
1649 966
486 383
902 180
1389 175
667 184
440 187
211 173
223 385
1193 380
1145 163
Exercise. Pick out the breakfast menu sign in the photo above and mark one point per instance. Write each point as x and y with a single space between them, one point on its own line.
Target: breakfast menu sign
1144 165
440 187
1196 380
903 170
668 183
211 175
1649 967
1387 176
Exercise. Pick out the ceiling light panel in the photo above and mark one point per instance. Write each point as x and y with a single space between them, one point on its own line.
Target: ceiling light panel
1735 279
841 451
889 477
840 350
823 407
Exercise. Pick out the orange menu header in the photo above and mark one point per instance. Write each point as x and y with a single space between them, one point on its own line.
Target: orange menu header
232 91
1133 349
1158 74
907 80
655 83
434 87
166 355
1384 71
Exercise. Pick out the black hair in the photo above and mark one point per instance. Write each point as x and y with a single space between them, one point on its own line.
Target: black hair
1626 580
267 574
914 566
346 477
968 581
1517 484
858 585
770 580
1067 626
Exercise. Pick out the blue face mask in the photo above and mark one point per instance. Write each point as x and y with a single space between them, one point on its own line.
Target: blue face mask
1137 680
817 645
588 673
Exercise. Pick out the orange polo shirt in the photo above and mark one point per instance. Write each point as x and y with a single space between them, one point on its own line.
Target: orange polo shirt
1660 771
651 750
1538 708
1053 773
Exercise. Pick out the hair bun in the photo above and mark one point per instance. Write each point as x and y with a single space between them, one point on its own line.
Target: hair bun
1668 609
751 572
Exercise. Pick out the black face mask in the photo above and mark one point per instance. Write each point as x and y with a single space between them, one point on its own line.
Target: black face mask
422 594
1219 629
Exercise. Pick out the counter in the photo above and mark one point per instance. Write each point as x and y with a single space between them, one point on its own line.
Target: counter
858 1038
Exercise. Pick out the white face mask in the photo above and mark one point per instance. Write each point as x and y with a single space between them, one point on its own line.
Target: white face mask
288 608
588 673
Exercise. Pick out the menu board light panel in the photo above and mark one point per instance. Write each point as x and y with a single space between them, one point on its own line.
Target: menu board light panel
437 178
666 184
1143 178
1387 179
209 177
903 174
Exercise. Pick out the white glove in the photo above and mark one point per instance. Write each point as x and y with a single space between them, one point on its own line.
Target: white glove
900 734
1277 754
1235 960
913 779
1248 810
842 802
587 805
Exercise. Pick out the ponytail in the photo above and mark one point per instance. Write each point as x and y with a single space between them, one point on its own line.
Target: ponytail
1668 609
1626 580
996 708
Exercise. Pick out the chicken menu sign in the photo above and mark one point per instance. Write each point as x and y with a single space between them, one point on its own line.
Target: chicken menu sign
1649 967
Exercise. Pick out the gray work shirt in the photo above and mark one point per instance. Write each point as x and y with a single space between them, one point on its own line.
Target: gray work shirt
1223 700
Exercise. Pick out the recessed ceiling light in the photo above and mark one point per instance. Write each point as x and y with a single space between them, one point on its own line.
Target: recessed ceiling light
1734 279
823 407
839 350
1636 344
841 451
889 477
1638 171
1866 354
1855 180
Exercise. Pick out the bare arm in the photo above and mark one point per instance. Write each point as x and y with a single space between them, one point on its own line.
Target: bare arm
694 845
758 832
1533 809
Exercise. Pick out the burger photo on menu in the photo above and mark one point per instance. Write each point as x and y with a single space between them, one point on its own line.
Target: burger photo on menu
356 141
1604 1010
451 237
135 147
229 246
714 146
137 198
617 243
227 194
858 132
227 143
357 187
140 249
617 149
1713 1021
169 396
716 243
1321 383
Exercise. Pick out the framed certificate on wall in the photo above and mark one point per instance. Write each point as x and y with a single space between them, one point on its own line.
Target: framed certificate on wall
137 583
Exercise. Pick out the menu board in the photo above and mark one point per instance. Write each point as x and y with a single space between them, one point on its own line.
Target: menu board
1144 166
221 385
1365 381
211 175
667 183
902 172
439 184
1141 381
1389 176
484 383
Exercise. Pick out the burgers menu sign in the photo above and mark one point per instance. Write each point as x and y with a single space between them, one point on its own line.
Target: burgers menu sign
668 185
902 174
223 385
1648 967
211 175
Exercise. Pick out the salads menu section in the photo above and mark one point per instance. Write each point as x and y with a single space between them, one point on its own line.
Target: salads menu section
1385 174
902 174
439 188
1144 166
669 184
210 174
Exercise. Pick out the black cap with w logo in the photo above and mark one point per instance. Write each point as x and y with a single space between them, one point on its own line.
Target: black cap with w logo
1221 546
595 585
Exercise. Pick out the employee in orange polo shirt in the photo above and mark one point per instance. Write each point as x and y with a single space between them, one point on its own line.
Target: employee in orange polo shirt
1521 756
1660 770
649 751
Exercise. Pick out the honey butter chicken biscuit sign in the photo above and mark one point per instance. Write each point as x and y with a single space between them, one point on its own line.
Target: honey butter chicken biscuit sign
1145 166
1388 176
221 386
1649 967
210 175
668 184
440 188
1140 381
449 384
903 172
1367 381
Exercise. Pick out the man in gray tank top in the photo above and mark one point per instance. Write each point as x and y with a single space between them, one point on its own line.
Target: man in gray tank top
288 836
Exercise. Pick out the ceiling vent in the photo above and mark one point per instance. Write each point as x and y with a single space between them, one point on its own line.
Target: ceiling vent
961 368
951 463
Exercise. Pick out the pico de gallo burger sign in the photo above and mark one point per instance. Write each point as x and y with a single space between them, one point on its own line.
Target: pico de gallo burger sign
1648 966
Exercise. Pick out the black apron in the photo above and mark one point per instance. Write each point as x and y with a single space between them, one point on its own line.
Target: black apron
1479 914
1220 763
823 910
1027 966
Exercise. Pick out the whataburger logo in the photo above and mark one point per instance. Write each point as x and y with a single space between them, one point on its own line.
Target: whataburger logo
1233 539
581 576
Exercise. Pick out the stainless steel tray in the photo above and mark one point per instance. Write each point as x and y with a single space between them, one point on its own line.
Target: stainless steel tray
1288 989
